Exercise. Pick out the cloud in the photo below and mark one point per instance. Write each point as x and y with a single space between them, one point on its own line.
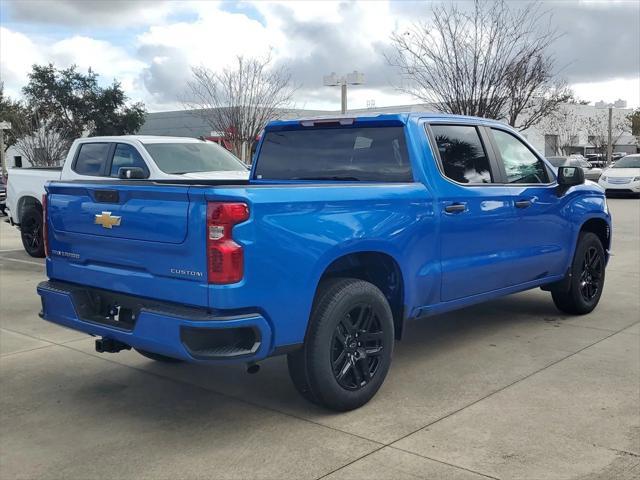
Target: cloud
83 13
610 90
600 41
154 56
18 53
213 40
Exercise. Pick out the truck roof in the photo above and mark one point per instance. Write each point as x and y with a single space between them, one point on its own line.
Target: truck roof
382 118
143 139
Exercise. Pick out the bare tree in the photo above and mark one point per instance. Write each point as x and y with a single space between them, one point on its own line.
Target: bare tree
565 124
239 101
597 128
634 122
491 61
39 143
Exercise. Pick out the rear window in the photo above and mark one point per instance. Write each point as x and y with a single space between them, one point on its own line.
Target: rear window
463 157
92 159
178 158
372 154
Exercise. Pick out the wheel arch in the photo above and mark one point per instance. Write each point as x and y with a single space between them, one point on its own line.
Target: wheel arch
599 227
377 267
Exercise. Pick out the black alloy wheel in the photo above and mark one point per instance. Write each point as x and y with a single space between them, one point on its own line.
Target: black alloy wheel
31 232
592 268
586 281
357 347
348 346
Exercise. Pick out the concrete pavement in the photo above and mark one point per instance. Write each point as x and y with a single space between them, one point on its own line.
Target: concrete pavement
508 389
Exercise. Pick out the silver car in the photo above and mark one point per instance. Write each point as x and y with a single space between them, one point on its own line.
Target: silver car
590 172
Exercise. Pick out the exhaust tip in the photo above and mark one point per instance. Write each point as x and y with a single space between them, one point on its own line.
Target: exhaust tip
253 368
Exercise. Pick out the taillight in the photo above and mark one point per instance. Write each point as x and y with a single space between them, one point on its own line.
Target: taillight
225 258
45 232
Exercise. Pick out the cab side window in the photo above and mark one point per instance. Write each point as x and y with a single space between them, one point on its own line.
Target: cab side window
462 154
520 163
126 156
92 159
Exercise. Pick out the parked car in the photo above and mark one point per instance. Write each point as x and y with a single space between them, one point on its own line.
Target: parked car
623 177
3 194
590 172
112 158
346 230
615 156
597 159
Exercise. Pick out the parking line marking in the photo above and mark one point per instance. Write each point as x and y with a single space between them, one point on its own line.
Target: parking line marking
21 261
17 250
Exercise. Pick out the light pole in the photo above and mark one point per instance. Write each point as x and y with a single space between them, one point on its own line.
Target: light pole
610 107
354 78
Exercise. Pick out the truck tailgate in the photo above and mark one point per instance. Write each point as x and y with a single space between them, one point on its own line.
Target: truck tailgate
134 238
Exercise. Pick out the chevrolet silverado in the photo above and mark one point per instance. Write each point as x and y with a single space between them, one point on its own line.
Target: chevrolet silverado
346 230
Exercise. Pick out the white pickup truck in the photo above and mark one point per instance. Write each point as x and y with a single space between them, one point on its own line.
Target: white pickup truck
124 157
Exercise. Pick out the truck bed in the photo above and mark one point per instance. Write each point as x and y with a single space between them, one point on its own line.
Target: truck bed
158 250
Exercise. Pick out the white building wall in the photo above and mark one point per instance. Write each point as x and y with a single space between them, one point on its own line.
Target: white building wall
10 156
581 114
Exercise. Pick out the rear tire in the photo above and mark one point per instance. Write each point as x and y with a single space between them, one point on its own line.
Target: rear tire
31 232
157 357
347 352
587 277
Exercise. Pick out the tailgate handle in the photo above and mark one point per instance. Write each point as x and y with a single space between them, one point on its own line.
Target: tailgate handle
107 196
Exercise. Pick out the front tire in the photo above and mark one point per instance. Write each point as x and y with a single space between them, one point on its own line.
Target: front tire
31 232
587 277
347 352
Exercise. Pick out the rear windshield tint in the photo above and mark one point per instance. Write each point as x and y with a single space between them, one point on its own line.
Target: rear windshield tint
373 154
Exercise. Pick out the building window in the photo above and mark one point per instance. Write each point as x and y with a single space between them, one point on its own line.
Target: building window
17 161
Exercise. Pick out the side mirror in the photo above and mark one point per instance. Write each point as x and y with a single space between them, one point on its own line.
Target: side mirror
131 173
568 177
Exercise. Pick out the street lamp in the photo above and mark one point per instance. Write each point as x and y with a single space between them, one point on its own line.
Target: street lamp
354 78
610 106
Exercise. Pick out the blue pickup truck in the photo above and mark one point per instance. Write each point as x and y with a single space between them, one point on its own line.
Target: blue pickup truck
347 229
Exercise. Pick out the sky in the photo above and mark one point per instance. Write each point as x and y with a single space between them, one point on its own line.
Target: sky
150 46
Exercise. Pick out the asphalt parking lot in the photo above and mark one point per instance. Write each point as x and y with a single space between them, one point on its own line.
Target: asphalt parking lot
508 389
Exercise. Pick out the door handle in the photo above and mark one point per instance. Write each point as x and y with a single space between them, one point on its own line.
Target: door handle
523 203
455 208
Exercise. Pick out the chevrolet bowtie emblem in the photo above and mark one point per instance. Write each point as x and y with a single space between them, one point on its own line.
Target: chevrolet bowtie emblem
107 221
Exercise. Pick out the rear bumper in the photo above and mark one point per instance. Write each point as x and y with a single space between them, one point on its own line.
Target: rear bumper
190 334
